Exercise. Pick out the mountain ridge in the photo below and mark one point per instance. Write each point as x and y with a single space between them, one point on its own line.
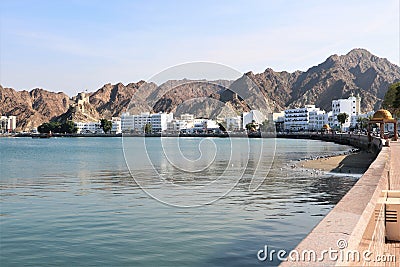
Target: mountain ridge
357 72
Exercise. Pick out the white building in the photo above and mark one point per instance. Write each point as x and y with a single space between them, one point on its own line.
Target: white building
8 124
137 123
203 125
79 126
277 116
116 125
185 122
159 121
88 127
351 106
253 115
187 117
140 121
175 126
127 122
317 119
298 119
233 123
354 119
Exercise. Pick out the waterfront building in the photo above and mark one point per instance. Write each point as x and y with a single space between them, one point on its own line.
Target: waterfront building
354 119
127 123
8 124
116 125
298 119
187 117
233 123
253 116
317 119
79 126
351 106
159 121
140 121
278 116
137 123
204 125
91 127
175 126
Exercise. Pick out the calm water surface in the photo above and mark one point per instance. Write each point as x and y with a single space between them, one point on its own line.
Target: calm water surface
74 202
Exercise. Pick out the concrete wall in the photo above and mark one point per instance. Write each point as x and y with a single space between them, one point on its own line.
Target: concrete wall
356 140
352 219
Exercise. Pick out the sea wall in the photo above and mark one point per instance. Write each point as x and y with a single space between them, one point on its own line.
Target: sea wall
351 221
356 140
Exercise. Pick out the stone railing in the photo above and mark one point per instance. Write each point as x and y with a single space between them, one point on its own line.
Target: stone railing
351 222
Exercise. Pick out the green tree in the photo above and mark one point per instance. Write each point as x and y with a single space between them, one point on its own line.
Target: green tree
106 125
391 100
251 127
148 128
265 126
362 123
342 117
68 127
54 127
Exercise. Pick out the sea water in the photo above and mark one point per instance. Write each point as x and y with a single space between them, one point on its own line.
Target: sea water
159 201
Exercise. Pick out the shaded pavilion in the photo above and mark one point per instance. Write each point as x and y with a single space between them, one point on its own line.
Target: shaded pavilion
326 128
382 117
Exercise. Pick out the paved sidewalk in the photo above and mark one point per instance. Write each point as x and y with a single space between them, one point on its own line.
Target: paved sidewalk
395 165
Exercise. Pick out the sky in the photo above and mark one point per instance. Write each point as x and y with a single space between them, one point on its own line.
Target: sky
72 46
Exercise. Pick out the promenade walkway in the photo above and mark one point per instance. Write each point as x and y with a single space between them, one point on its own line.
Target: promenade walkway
358 219
393 248
378 243
394 178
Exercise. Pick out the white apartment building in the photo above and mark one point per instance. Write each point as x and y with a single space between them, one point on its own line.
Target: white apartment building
131 123
116 125
298 119
88 127
253 115
79 126
203 125
233 123
127 122
137 123
189 119
140 121
159 121
351 106
313 119
317 119
8 124
177 125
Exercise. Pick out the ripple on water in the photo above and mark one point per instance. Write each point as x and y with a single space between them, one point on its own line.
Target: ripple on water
84 207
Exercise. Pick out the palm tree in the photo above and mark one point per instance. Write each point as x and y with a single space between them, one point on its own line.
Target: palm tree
342 117
148 128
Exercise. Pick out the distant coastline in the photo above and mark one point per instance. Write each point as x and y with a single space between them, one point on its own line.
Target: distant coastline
221 135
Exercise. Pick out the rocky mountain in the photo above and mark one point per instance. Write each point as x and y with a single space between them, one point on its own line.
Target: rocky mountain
112 100
34 107
357 72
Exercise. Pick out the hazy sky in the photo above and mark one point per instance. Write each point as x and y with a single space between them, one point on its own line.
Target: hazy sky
71 45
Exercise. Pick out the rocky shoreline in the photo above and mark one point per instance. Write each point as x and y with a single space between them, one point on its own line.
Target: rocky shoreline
354 161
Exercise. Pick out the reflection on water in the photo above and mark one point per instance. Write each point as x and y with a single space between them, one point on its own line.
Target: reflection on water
73 201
